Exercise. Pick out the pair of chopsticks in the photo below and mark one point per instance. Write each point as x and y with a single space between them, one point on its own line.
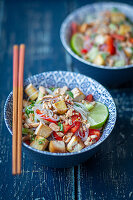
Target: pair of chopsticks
18 71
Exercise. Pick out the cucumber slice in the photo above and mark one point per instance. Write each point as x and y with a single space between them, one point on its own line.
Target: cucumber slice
98 115
89 106
93 53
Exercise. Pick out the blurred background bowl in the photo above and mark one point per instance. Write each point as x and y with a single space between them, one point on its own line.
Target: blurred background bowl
109 76
60 79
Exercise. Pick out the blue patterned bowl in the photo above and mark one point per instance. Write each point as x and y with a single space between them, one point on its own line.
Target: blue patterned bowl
109 76
59 79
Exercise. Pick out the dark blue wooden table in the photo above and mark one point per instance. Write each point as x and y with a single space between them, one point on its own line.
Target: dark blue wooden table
106 176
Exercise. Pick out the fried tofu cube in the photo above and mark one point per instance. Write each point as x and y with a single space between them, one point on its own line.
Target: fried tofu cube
31 92
57 146
83 27
61 107
99 60
75 144
26 103
77 94
43 130
117 17
41 93
39 143
124 29
128 51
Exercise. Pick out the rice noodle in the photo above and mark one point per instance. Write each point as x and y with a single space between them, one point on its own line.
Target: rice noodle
82 106
31 95
83 138
49 91
83 113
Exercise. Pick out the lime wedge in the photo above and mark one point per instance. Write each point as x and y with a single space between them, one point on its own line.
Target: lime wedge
77 43
98 115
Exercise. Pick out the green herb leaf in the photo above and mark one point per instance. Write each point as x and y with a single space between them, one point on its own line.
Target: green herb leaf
40 142
69 93
119 47
52 89
32 138
104 55
33 102
77 105
26 131
28 109
61 126
115 9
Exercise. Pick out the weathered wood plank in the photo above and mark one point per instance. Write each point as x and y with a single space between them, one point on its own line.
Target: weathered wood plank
108 175
37 24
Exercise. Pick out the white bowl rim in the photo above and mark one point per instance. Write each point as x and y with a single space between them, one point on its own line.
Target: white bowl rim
71 52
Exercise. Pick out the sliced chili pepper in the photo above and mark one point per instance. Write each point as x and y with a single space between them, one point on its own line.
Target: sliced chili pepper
95 132
81 134
75 124
66 127
44 116
89 98
76 127
57 137
118 37
131 40
27 142
110 45
84 51
74 28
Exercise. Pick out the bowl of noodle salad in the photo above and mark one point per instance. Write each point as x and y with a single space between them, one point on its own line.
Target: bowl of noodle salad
99 37
66 116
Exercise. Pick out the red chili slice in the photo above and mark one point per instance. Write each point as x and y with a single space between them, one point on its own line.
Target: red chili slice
74 28
57 137
89 98
118 37
27 142
84 51
44 116
110 45
131 40
75 124
95 132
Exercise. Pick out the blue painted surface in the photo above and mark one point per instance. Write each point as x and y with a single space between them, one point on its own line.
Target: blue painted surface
106 176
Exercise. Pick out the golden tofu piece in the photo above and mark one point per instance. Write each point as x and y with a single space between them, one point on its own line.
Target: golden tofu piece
31 92
75 144
128 51
41 93
43 130
57 146
26 103
117 17
124 29
77 94
39 143
60 107
99 60
82 28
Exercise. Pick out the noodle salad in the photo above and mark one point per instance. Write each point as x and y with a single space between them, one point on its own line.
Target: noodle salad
60 120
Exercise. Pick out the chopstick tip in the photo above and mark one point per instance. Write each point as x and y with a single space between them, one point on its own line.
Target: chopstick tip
15 46
22 45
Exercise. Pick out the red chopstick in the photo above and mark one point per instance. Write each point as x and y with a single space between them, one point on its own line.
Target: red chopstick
15 104
17 111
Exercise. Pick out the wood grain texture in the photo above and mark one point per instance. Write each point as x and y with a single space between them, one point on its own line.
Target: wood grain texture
36 24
